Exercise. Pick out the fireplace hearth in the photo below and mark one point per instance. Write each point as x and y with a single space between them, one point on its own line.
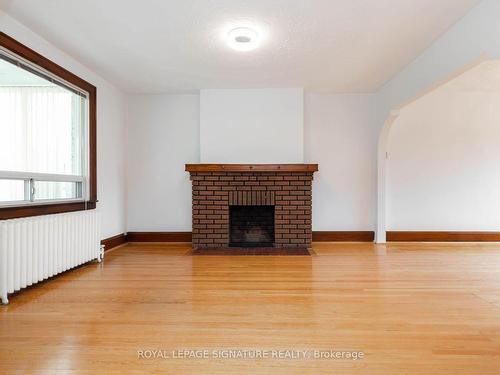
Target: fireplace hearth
251 205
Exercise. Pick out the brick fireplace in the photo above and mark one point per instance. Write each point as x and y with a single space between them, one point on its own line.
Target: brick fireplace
246 205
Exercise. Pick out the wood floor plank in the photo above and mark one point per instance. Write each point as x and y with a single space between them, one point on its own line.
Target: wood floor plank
410 308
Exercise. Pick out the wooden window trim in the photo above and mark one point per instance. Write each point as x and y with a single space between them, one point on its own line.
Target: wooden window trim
45 209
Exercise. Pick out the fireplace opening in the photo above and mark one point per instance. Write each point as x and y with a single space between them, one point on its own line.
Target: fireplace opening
251 226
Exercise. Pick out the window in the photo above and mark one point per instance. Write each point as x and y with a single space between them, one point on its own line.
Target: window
47 135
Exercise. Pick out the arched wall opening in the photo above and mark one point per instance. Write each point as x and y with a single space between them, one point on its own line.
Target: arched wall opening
439 157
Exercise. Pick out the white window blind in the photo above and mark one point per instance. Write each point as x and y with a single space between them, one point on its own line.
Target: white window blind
43 142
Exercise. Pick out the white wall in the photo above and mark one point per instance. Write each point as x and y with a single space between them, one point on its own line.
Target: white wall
472 38
444 163
110 123
162 136
252 126
341 136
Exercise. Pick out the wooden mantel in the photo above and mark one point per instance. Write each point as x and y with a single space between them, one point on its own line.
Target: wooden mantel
251 167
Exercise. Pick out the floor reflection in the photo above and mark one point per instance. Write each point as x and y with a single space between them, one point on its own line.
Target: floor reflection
253 297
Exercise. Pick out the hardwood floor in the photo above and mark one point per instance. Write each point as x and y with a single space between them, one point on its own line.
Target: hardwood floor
410 308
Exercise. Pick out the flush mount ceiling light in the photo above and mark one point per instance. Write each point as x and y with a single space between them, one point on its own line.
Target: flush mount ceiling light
243 39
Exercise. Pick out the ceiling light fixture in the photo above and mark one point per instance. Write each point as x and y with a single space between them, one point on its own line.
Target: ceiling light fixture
243 39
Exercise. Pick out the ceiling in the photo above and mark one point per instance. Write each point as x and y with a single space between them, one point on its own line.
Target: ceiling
154 46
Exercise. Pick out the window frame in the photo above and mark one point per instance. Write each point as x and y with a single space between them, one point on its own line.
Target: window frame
23 208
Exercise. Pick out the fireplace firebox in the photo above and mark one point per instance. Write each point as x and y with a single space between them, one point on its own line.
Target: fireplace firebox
251 226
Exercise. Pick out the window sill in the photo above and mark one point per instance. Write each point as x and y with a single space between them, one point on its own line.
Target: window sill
15 212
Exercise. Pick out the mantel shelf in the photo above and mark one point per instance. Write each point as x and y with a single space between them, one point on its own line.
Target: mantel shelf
251 167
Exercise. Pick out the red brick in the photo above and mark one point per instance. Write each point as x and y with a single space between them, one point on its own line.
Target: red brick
291 195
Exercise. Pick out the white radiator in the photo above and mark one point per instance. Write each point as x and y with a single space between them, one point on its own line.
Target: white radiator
36 248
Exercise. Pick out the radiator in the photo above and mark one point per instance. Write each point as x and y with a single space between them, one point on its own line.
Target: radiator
36 248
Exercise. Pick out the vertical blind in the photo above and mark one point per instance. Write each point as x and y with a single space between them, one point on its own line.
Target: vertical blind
40 132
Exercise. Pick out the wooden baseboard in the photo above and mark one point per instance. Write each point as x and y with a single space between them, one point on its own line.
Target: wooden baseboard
439 236
114 241
159 236
318 236
354 236
343 236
